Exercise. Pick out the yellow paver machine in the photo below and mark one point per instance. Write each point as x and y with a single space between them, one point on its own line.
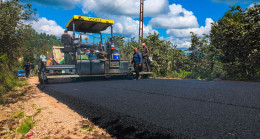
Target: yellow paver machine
85 59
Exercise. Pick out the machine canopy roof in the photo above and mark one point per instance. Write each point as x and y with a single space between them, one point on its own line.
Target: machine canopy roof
88 24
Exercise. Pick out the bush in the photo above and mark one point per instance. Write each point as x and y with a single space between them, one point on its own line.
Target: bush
7 78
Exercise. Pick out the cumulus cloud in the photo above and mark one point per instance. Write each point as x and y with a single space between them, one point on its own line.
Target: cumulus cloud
65 4
44 25
235 1
177 17
182 37
124 7
182 43
186 32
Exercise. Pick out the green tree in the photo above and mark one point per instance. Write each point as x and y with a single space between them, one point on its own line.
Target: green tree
202 56
166 57
237 37
34 45
12 34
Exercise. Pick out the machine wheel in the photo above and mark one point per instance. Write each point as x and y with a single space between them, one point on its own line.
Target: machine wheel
130 76
42 78
41 81
145 76
74 80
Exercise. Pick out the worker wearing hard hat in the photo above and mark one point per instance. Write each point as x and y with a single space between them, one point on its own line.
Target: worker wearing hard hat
145 55
137 61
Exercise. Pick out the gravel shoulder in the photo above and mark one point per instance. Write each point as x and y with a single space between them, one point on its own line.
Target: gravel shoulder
52 119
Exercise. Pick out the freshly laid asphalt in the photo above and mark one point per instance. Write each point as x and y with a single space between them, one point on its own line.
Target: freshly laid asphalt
164 108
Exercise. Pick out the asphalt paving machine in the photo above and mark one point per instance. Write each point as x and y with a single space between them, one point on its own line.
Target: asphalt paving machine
85 59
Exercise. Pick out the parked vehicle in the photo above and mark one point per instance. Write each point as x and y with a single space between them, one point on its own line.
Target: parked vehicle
20 73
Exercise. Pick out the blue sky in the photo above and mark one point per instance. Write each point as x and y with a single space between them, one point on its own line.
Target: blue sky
173 19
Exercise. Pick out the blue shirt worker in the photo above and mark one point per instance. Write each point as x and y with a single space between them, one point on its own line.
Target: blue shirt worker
137 61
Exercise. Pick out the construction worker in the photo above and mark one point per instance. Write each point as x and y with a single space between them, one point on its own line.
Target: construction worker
137 61
66 38
27 68
145 55
92 54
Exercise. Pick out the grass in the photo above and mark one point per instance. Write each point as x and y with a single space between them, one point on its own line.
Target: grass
38 111
2 91
21 82
23 93
28 123
9 83
87 127
26 126
33 105
18 115
91 129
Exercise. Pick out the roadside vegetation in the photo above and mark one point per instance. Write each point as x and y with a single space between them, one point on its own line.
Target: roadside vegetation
19 43
231 51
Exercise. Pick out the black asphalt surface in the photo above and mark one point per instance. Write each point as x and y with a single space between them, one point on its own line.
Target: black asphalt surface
158 108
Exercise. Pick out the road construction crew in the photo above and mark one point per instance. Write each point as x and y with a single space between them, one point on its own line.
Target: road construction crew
137 61
145 55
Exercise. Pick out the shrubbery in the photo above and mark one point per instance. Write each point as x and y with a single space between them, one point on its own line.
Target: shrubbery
7 78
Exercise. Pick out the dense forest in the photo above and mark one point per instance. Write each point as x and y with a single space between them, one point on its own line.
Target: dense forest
230 51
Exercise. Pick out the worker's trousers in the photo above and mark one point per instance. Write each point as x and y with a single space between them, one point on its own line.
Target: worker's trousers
136 66
27 73
145 65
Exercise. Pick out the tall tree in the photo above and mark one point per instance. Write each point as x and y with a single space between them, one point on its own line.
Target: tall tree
12 34
202 56
237 36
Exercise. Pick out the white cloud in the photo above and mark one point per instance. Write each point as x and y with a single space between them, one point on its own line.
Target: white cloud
65 4
177 18
124 7
186 32
44 25
182 37
182 43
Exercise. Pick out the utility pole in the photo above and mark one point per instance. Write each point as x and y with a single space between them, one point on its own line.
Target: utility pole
141 21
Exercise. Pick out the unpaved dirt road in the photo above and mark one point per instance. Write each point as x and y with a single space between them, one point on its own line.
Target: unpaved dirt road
166 108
